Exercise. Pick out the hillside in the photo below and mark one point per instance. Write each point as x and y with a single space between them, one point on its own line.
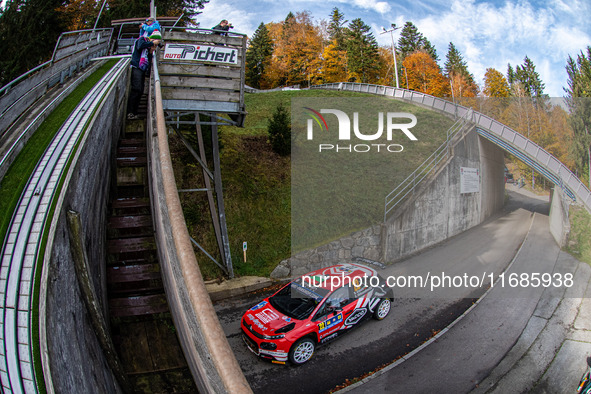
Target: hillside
267 197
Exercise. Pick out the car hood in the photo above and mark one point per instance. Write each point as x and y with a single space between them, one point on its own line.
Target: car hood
265 319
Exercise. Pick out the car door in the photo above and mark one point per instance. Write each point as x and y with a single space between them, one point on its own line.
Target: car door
330 316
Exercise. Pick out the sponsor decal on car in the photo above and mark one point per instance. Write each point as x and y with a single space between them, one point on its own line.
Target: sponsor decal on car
268 315
258 306
325 325
256 322
328 338
355 317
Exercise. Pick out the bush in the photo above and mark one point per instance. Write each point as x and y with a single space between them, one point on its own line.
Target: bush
279 130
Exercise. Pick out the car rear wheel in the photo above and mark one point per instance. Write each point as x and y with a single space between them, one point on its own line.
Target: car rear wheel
382 309
301 352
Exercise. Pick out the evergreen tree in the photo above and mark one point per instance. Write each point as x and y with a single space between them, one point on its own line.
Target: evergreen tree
578 98
279 130
258 55
526 78
29 30
362 52
456 70
337 29
412 40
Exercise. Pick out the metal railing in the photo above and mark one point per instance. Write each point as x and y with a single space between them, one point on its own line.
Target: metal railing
408 186
547 165
72 52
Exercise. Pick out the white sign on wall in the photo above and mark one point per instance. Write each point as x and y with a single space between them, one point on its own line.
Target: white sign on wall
201 53
469 180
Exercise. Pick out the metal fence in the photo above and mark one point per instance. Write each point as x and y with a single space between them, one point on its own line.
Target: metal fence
73 51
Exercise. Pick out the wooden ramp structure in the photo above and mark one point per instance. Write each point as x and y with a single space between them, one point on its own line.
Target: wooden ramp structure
201 76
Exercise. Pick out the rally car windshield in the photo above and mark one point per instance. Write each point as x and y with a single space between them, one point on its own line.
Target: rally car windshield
297 301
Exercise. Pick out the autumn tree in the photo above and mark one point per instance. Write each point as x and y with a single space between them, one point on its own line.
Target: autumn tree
456 70
424 74
79 14
578 98
258 56
495 84
362 53
297 55
334 68
411 40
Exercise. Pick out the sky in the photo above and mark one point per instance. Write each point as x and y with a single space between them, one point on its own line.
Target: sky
488 34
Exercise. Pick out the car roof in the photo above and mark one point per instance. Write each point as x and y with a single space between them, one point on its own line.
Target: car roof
340 274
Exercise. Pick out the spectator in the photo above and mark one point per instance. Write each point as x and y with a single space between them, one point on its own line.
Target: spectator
148 28
222 27
141 59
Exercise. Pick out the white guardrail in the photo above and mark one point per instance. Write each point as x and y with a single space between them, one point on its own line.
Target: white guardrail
498 133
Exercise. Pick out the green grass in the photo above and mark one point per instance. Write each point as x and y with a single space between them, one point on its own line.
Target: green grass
579 239
258 194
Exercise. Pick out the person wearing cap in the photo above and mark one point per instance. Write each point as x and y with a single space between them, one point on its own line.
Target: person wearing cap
141 59
149 26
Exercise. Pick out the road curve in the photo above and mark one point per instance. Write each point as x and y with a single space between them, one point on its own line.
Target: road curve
489 247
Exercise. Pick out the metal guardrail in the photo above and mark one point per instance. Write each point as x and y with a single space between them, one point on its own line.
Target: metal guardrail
72 52
548 165
20 253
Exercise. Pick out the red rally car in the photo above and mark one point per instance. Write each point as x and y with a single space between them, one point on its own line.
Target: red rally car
314 309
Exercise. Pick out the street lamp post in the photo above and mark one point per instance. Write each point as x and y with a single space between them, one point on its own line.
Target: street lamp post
391 31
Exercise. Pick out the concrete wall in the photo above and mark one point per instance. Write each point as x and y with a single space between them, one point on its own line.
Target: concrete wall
75 357
436 212
559 222
440 210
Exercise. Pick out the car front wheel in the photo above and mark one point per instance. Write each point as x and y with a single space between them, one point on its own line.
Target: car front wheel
382 309
302 351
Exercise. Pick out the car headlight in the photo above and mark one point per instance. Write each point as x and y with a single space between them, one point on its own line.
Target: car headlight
273 336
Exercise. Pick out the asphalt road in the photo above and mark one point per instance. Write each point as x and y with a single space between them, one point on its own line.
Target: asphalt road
415 317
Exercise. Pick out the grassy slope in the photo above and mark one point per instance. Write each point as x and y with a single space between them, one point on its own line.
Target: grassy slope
579 239
258 187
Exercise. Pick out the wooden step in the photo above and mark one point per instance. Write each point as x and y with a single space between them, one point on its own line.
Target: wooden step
132 161
131 245
133 273
130 203
132 142
138 306
132 221
131 150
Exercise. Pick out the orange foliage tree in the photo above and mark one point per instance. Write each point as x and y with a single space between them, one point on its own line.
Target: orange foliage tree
298 47
424 75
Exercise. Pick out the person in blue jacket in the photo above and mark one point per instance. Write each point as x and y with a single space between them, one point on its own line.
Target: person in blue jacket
140 62
148 28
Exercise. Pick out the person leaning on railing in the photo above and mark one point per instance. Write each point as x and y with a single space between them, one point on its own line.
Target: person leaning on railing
141 60
222 27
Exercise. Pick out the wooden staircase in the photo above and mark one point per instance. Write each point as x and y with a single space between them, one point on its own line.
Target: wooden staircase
141 325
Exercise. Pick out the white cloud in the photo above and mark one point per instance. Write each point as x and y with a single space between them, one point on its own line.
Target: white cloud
379 6
491 36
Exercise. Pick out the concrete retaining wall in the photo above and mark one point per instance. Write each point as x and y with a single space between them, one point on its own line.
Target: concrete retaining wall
559 222
75 357
436 212
441 210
